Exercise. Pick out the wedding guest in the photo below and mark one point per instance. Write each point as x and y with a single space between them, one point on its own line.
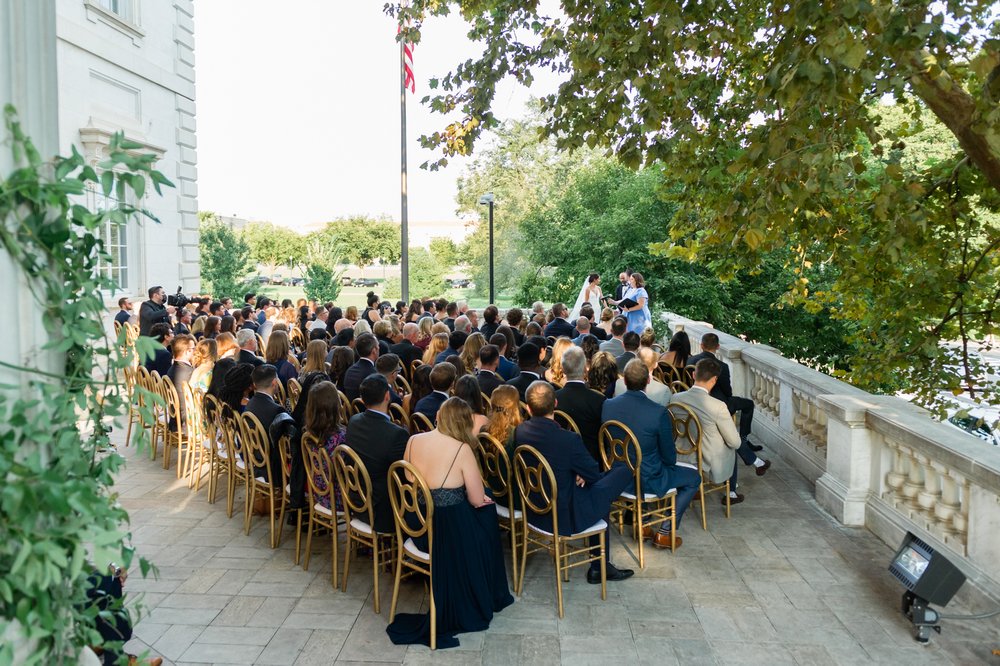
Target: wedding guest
278 350
247 340
236 385
487 376
340 361
470 351
407 349
124 314
590 346
368 351
206 353
424 338
515 321
554 375
631 343
491 317
467 388
227 324
527 360
387 365
678 351
579 402
419 388
315 358
559 325
212 324
607 316
351 314
442 379
325 423
603 374
161 359
226 345
656 391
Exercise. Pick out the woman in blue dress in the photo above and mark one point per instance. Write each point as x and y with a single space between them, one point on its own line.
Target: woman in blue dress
637 315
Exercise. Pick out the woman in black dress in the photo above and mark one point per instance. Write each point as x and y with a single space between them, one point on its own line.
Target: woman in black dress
371 313
469 576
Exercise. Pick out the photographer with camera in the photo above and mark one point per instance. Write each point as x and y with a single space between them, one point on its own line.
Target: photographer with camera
154 311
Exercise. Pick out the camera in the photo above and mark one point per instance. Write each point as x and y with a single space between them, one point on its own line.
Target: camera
178 300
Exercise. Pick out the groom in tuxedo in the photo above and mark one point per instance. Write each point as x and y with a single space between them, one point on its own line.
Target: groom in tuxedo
622 284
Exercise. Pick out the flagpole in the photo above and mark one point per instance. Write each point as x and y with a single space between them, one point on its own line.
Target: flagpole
404 227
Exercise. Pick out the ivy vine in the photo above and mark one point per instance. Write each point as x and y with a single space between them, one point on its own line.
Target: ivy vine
58 509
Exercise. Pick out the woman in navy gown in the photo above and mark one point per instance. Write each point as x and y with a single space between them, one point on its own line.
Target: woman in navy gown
470 579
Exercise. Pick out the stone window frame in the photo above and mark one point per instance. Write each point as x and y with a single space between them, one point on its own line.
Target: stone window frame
127 22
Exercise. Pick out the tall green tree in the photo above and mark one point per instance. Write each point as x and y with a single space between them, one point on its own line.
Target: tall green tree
426 276
445 251
322 277
273 245
225 258
765 117
363 240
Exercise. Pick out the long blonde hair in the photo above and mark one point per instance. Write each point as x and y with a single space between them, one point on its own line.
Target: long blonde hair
470 352
505 414
555 365
226 344
426 323
315 356
206 351
455 420
277 347
438 344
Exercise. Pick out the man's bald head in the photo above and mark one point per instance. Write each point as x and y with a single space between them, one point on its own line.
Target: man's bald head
541 398
411 331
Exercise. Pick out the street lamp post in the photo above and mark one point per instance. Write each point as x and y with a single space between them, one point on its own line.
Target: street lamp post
487 199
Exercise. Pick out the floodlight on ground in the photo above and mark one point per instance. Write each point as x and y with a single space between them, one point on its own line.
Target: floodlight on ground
929 578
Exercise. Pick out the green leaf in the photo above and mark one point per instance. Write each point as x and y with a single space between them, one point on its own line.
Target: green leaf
107 182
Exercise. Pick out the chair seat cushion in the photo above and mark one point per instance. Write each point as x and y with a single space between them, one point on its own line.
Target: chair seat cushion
599 526
504 512
412 549
688 465
649 497
361 526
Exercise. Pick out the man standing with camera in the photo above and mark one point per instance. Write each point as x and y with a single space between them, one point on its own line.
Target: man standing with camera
154 311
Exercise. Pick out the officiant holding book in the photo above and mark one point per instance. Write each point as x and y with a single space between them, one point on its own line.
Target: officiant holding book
634 304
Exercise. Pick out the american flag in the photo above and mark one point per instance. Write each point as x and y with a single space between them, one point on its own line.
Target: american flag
409 81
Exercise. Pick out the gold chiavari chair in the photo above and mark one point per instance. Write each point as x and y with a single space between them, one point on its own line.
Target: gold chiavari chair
151 407
414 364
420 423
345 405
357 406
410 495
687 376
196 428
536 484
260 476
487 403
284 445
494 465
235 466
279 394
399 416
320 474
402 386
294 391
261 347
131 376
213 446
359 515
566 421
687 428
677 386
175 430
525 412
619 444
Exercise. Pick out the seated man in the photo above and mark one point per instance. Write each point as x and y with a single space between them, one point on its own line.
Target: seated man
124 315
247 340
266 409
595 330
631 343
718 434
505 368
656 391
651 425
367 349
442 378
489 360
584 493
456 340
405 349
388 367
378 442
528 356
583 405
180 372
559 326
723 389
162 358
615 346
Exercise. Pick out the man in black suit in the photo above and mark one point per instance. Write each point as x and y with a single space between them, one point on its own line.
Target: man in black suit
442 379
527 360
249 319
387 365
582 404
183 326
559 326
124 315
456 340
491 321
247 340
630 341
162 358
489 359
622 284
180 371
584 493
587 312
506 368
723 389
378 442
367 349
263 406
405 349
451 311
153 311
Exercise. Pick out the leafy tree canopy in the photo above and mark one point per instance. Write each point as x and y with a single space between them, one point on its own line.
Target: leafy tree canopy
445 251
273 245
361 240
426 276
225 258
765 121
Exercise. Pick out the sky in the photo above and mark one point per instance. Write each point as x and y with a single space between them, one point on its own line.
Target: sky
298 111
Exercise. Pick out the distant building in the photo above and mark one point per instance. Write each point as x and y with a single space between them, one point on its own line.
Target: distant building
128 65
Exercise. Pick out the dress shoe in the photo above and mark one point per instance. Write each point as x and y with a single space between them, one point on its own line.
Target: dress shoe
662 541
733 500
647 533
613 573
754 447
762 470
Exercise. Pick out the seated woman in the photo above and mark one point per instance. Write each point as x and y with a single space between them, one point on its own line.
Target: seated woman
277 355
467 388
324 422
603 374
678 351
316 352
554 375
505 416
206 353
419 388
340 360
470 582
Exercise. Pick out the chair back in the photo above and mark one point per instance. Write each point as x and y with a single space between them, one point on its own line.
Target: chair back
279 394
670 372
687 431
525 412
256 445
487 403
399 415
420 423
171 399
358 406
319 467
345 405
295 338
536 483
232 433
355 485
211 419
261 347
294 391
677 386
566 421
688 375
618 443
494 465
410 495
402 386
414 364
284 444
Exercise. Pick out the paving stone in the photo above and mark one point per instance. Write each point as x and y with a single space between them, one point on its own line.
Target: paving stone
284 647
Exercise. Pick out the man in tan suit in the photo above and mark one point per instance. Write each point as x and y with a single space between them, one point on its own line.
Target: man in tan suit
719 437
656 391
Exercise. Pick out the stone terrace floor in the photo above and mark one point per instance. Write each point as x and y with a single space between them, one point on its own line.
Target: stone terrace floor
778 583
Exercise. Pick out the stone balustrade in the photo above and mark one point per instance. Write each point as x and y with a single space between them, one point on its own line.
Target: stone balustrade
876 461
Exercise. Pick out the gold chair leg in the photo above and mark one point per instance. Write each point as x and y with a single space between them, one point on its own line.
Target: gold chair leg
375 574
395 584
604 572
639 528
334 554
274 535
524 558
728 499
298 537
555 549
281 519
701 494
230 492
433 615
248 509
513 548
347 559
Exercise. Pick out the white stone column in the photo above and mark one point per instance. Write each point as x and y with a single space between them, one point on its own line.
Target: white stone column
28 81
843 489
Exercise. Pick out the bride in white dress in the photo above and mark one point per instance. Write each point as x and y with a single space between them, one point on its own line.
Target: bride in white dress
589 293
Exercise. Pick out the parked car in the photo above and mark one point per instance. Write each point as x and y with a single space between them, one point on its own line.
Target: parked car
263 279
975 426
365 282
277 279
346 281
296 281
461 283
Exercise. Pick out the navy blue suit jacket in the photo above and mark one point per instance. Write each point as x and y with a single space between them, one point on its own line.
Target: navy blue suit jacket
430 404
559 327
652 426
723 388
568 457
355 375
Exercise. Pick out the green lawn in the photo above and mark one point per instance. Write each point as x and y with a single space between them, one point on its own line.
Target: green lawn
356 295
